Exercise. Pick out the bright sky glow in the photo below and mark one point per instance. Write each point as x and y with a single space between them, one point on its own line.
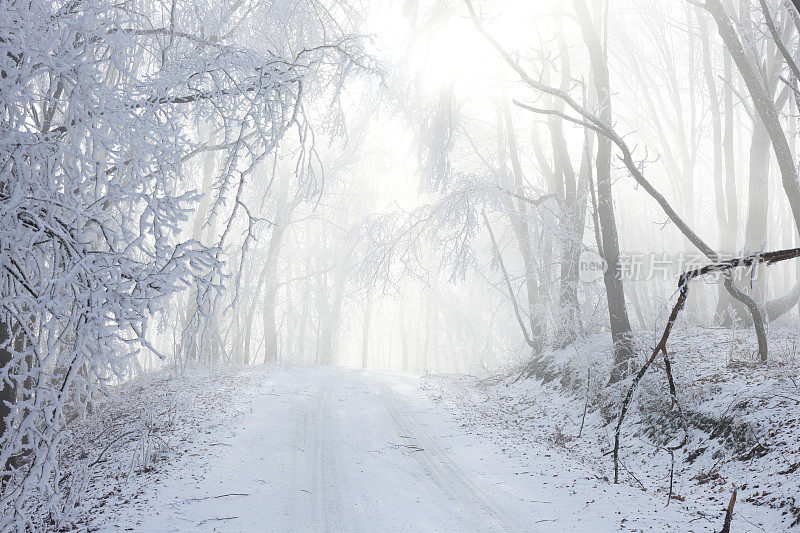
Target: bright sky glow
450 50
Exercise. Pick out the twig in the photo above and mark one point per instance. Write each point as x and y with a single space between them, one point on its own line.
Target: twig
102 453
586 404
207 520
217 497
671 475
633 476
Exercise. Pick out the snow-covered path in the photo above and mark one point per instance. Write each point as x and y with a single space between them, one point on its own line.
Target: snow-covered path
334 449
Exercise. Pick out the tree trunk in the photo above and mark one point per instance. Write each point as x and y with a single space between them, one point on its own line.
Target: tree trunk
331 323
427 346
403 336
289 344
192 320
8 393
301 341
572 223
617 311
270 331
728 230
755 236
365 331
519 220
270 275
762 102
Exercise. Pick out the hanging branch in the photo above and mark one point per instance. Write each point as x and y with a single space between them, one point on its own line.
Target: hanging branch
768 258
517 312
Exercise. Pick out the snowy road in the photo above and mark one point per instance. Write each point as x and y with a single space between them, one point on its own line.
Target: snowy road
333 449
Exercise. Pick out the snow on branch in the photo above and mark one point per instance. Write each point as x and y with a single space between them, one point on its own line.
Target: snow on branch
96 111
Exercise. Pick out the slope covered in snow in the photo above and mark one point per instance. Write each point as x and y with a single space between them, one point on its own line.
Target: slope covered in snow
742 419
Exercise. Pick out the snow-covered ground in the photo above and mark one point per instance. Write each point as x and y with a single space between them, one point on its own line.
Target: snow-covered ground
335 449
131 438
742 416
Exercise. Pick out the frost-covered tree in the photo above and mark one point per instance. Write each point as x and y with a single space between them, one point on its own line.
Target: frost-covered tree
97 104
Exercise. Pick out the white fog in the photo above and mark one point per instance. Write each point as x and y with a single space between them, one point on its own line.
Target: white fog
399 265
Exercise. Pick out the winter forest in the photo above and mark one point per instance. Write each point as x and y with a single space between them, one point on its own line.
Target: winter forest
399 265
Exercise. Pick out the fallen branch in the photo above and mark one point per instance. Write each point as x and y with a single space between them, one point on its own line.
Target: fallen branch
768 258
726 526
231 494
219 519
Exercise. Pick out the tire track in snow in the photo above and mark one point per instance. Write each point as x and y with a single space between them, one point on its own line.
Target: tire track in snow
451 480
302 483
327 435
